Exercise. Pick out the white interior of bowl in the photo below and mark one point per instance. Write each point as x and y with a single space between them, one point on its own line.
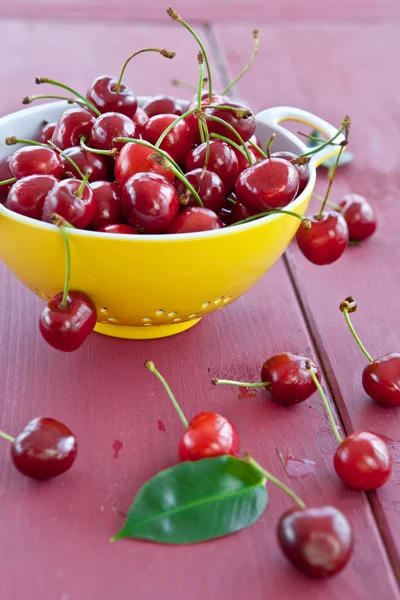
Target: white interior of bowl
27 123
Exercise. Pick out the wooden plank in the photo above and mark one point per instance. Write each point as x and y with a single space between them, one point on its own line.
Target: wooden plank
357 77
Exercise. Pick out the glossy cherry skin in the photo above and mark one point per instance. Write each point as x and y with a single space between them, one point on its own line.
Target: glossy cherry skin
242 160
109 126
327 239
162 105
363 461
177 142
194 219
86 161
208 435
241 212
35 160
302 170
46 133
150 203
135 158
28 194
108 204
44 449
244 126
103 95
270 184
5 174
381 379
359 216
140 119
71 126
120 228
222 161
317 541
77 210
66 328
289 379
209 187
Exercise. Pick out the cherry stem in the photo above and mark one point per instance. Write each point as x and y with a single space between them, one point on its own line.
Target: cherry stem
326 403
355 336
247 67
184 85
231 200
7 437
149 145
324 145
8 181
232 130
29 99
269 144
82 142
151 367
162 51
40 80
306 222
174 15
79 191
328 203
328 190
62 224
67 158
260 150
216 381
229 141
11 141
200 59
269 477
315 138
166 163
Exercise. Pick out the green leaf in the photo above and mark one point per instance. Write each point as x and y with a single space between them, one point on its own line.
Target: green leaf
197 501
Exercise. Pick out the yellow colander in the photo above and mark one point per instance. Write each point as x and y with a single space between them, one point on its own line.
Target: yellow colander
154 286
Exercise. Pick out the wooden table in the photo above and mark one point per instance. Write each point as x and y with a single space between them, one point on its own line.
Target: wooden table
331 60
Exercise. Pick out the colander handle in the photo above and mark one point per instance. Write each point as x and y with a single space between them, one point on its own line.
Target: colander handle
275 115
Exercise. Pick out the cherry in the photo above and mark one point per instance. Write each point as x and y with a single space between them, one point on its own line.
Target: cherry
44 449
269 184
193 219
71 126
109 126
217 98
177 142
108 205
150 202
28 194
5 174
302 170
88 163
242 160
207 184
102 93
135 158
162 105
359 216
326 240
318 541
363 461
73 200
240 212
46 132
222 161
35 160
66 326
120 228
245 126
140 118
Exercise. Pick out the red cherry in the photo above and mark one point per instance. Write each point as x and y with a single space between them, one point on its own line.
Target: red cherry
44 449
62 199
35 160
28 194
242 160
381 379
65 328
140 119
102 94
318 541
195 219
149 202
208 435
222 161
209 187
87 162
162 105
192 120
109 126
289 378
120 228
363 461
302 170
108 205
327 239
216 99
177 142
46 133
359 216
5 174
240 212
244 126
71 126
270 184
135 158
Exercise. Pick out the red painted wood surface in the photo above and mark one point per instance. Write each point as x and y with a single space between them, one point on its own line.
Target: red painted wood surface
360 64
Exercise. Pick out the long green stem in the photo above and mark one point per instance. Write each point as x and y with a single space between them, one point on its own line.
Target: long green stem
232 130
216 381
67 158
79 191
276 481
326 404
327 203
82 142
163 51
355 336
151 366
62 226
184 85
305 221
199 94
315 138
328 190
260 150
7 437
246 68
8 181
324 145
148 145
30 99
229 141
166 163
92 107
11 141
